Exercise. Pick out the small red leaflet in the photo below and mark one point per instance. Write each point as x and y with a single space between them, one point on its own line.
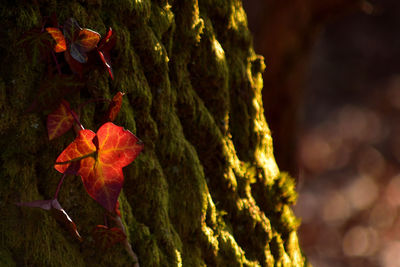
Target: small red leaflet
60 120
115 106
60 44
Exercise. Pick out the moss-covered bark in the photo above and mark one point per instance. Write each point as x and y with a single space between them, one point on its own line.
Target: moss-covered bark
205 191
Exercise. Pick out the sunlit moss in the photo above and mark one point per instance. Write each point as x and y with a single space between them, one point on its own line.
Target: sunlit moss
193 95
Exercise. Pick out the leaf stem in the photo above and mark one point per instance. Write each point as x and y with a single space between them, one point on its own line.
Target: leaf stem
59 186
127 245
75 117
76 159
56 61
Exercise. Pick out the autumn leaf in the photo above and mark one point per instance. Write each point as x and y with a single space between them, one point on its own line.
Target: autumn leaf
107 63
105 45
108 41
74 65
60 120
79 41
102 157
115 106
106 237
60 44
57 212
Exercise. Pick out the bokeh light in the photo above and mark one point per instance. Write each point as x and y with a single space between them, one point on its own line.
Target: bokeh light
347 79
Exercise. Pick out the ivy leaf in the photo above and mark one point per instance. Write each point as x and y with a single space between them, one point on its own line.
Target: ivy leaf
79 41
74 65
108 42
105 45
57 212
106 237
115 106
60 120
60 44
102 157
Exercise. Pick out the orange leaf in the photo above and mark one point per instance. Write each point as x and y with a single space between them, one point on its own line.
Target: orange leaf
60 45
81 147
102 157
60 121
87 39
115 106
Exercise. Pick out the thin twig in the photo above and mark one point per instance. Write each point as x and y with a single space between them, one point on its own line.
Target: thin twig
127 245
75 117
59 185
56 61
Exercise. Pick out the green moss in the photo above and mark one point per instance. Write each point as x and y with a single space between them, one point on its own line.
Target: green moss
205 191
6 258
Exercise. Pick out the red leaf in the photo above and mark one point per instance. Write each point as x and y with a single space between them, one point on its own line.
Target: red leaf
60 44
57 212
82 148
106 62
107 237
74 65
59 121
107 42
87 40
102 157
105 45
115 106
80 41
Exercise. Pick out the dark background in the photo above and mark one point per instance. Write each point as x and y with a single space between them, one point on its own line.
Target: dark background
332 100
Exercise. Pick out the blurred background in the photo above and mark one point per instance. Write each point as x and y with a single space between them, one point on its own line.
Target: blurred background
332 100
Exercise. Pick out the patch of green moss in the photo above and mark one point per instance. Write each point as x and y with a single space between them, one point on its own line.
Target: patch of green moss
205 191
6 258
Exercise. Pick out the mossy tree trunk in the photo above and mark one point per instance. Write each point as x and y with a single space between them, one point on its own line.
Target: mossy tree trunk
206 190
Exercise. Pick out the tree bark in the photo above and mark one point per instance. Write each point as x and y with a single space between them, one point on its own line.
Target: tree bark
206 190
